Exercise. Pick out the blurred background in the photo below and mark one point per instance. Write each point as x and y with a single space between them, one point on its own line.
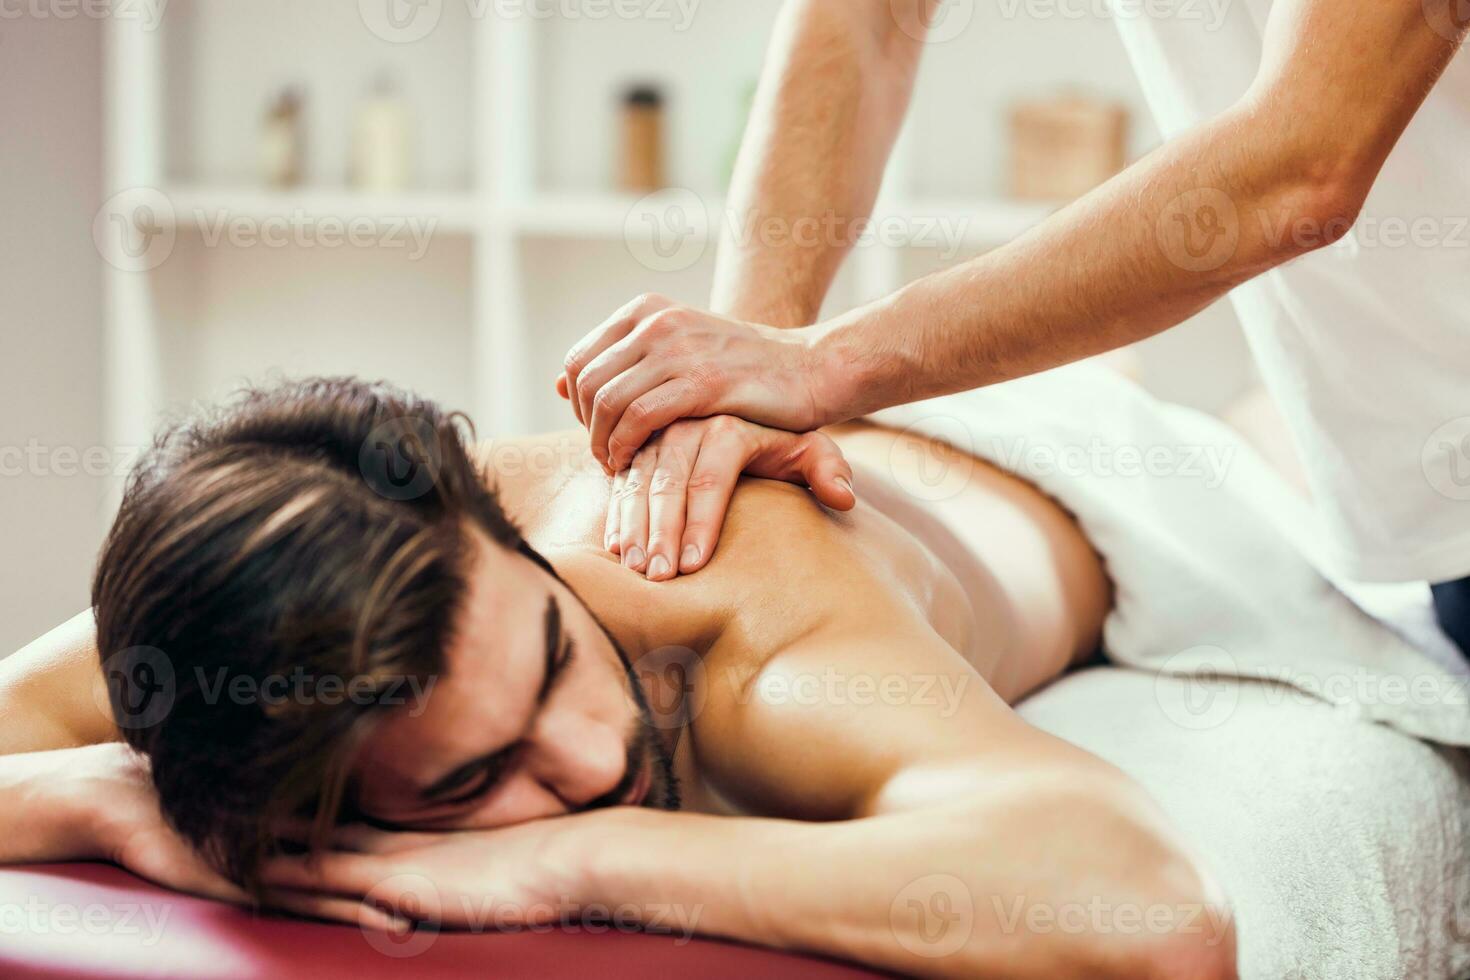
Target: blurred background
447 194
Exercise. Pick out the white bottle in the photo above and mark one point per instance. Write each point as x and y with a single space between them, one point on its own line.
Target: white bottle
280 141
380 142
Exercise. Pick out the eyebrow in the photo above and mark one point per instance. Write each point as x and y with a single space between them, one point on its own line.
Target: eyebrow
462 774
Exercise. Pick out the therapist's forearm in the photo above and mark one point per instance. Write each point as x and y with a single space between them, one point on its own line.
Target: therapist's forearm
831 101
1133 258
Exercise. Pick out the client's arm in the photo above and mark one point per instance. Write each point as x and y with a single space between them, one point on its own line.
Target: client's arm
921 827
69 790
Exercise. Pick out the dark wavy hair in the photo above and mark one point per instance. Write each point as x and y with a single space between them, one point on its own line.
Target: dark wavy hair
317 527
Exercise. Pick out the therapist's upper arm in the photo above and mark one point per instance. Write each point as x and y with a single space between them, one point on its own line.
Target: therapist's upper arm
1341 80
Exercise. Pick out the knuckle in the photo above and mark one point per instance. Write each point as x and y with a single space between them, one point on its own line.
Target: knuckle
662 324
638 412
724 425
665 484
704 481
603 398
819 441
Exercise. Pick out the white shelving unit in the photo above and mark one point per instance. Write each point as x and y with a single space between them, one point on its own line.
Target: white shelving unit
523 238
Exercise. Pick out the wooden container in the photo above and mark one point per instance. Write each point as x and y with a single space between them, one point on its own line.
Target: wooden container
1062 148
642 169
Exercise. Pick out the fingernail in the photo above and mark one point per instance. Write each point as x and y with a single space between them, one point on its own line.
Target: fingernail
690 556
658 567
610 543
634 557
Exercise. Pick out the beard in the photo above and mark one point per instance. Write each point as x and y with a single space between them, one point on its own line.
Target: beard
646 748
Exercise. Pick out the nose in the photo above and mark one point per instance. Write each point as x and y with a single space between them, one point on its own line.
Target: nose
576 757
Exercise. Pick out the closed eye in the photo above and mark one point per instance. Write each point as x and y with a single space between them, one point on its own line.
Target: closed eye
473 781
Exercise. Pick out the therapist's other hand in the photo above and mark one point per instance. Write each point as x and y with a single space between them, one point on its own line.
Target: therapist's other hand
667 508
654 362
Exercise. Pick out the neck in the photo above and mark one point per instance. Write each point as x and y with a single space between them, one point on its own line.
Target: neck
557 496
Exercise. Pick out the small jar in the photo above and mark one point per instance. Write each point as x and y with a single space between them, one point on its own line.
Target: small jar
642 168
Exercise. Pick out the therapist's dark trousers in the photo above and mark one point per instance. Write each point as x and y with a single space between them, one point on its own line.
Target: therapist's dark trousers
1452 608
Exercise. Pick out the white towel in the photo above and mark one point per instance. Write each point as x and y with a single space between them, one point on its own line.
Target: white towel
1211 554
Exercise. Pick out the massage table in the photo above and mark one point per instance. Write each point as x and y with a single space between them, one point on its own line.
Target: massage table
1341 844
1338 835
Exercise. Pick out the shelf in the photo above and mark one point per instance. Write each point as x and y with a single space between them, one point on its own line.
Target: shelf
599 215
204 207
584 215
982 222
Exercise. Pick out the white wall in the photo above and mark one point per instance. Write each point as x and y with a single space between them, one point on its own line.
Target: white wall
50 316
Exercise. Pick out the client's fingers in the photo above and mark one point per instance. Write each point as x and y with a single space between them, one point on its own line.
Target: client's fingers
338 872
666 501
614 511
633 515
711 484
315 905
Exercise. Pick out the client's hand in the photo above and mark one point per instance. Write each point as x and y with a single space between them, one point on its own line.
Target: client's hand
667 508
504 878
112 783
654 362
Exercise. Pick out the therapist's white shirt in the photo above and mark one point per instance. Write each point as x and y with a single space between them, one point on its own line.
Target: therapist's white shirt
1364 344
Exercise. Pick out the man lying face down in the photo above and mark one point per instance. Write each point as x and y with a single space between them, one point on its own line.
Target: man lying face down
808 740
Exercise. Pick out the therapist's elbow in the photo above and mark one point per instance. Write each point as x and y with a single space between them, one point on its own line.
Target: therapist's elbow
1311 207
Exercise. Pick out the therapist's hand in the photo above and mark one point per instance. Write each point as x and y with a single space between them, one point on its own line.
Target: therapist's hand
654 362
667 508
